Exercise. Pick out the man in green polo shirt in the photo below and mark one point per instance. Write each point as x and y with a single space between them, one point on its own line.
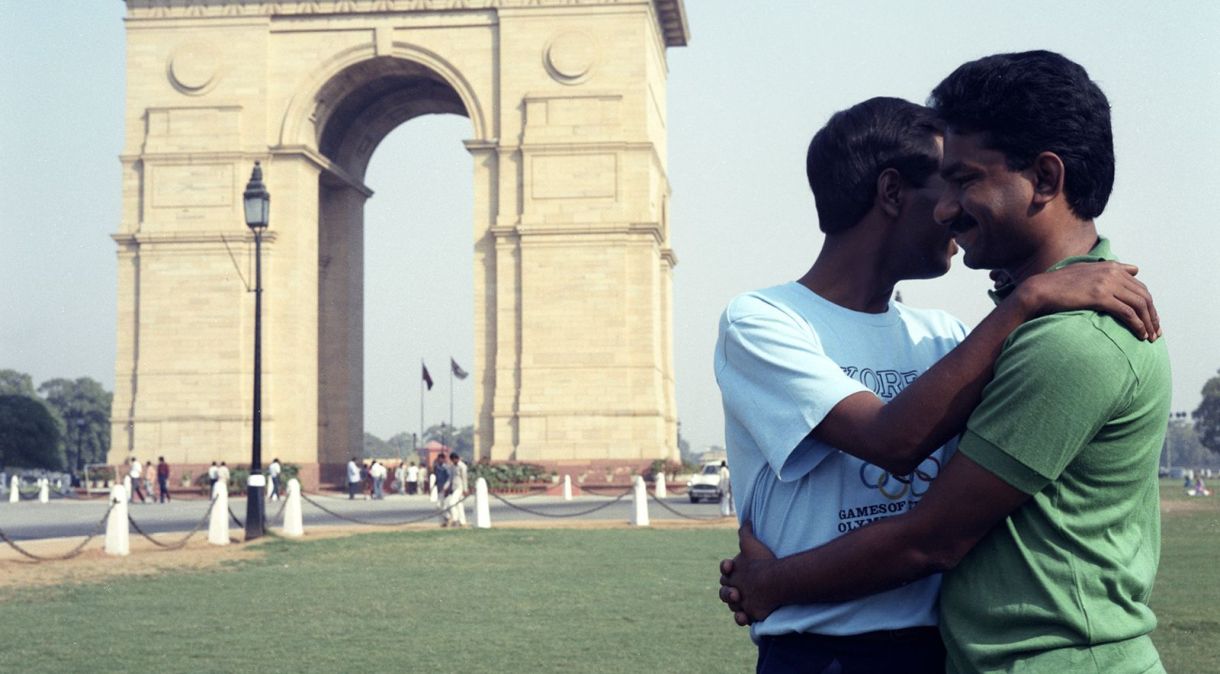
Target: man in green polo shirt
1046 522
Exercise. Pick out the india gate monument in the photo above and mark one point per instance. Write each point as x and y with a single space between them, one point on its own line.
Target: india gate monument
570 239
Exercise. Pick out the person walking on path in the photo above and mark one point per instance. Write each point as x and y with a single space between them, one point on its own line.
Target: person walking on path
150 475
273 472
136 473
222 473
377 472
443 484
353 478
213 474
459 489
412 480
162 479
726 489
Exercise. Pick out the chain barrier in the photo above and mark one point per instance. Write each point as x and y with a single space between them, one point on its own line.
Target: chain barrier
575 514
521 496
181 543
99 528
423 518
705 518
280 514
239 523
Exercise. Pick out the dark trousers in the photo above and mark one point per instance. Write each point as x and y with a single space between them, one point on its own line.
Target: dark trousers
163 487
351 489
916 650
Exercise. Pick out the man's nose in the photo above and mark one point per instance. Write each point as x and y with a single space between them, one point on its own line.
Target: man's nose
946 211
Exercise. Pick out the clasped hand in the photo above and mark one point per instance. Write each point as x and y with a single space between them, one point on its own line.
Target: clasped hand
747 580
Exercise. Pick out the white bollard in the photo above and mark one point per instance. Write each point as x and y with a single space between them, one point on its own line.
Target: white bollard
639 513
432 494
44 490
726 505
218 525
293 522
567 487
660 486
482 509
118 537
14 489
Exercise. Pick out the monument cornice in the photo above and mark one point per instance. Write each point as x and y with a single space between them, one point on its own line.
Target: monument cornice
172 238
671 14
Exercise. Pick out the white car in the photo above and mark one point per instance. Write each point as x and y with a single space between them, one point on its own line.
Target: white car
706 485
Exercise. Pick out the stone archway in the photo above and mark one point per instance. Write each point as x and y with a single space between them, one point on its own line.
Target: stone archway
572 267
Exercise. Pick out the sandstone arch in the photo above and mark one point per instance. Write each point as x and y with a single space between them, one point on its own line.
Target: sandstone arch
566 99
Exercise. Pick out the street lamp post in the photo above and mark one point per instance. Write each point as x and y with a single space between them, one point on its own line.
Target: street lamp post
257 205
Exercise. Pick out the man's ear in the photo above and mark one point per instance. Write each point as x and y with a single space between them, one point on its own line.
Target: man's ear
1048 177
889 192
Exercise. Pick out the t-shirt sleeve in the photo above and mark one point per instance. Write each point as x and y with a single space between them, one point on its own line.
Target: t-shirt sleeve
778 383
1057 382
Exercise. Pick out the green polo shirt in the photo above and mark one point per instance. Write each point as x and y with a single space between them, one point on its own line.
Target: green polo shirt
1075 417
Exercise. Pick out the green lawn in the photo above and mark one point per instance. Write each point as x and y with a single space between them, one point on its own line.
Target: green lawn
505 600
1186 597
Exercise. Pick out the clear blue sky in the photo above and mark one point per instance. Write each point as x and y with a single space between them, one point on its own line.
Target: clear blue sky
745 97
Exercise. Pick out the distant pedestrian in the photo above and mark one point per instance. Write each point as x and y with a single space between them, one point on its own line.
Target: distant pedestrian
273 473
162 479
367 480
213 473
458 489
222 473
727 506
425 477
400 476
413 478
377 472
136 473
353 478
441 471
150 476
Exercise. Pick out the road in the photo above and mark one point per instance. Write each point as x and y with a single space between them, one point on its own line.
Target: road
31 520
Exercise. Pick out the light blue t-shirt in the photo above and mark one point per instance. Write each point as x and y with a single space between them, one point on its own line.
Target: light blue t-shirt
784 358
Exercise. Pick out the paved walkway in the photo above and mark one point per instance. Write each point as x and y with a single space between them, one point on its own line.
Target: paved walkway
31 520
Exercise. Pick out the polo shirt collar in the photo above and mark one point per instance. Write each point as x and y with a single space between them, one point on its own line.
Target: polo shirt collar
1100 251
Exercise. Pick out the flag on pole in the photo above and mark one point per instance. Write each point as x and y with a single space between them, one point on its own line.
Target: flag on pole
457 369
427 377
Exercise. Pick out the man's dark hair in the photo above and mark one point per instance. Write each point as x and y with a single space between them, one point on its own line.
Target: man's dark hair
1032 102
847 155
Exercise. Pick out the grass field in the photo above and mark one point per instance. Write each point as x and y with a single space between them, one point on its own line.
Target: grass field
504 600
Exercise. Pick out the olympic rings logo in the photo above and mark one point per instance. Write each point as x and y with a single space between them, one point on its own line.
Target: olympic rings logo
895 487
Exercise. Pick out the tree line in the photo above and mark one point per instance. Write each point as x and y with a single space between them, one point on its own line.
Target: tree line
63 424
460 439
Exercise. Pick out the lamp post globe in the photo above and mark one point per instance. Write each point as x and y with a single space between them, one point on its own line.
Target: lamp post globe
257 203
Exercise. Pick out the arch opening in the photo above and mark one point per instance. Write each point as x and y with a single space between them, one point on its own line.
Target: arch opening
356 111
364 102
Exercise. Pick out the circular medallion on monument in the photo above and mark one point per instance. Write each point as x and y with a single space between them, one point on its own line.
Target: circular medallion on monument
571 56
194 67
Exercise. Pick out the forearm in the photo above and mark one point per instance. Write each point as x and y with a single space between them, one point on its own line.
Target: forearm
876 558
934 407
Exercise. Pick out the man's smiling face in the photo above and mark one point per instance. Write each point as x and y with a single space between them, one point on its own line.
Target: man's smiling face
985 204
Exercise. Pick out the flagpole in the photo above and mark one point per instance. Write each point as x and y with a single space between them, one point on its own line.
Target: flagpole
421 401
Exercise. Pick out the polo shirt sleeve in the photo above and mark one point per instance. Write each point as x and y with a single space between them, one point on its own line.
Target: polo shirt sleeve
778 383
1058 380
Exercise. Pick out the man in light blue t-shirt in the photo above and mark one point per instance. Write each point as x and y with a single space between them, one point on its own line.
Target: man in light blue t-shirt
840 403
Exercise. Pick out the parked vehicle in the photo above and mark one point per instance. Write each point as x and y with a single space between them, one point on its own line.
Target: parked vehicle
706 485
